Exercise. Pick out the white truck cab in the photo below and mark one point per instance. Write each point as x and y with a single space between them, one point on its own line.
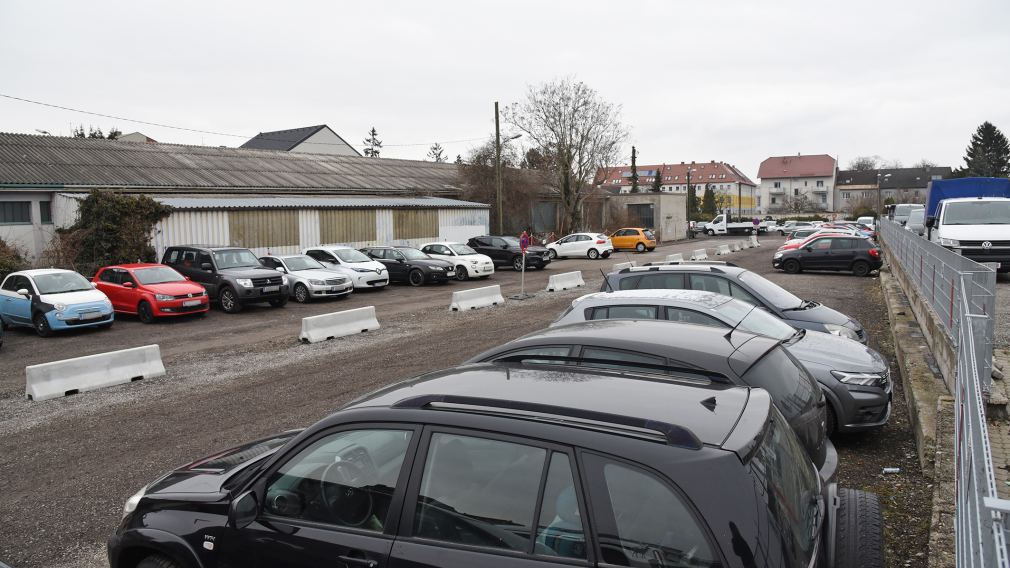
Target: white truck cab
974 227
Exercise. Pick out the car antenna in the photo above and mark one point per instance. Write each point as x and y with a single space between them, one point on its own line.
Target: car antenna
730 332
610 287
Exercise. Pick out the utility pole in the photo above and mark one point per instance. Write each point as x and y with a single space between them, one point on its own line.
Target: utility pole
634 171
690 194
497 165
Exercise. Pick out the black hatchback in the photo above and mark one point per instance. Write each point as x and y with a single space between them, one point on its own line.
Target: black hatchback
855 254
512 466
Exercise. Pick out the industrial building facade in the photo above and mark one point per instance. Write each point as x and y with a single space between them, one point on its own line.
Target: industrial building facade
269 201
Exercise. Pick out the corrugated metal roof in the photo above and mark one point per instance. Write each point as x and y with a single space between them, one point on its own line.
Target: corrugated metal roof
307 202
85 162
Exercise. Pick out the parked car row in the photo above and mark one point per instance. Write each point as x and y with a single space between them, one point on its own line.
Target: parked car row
670 427
841 246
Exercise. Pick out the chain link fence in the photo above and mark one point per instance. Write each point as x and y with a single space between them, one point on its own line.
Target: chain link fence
962 294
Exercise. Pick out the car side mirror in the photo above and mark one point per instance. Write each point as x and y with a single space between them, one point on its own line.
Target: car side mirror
127 284
94 284
400 260
243 510
187 277
281 269
930 221
207 266
504 247
808 249
24 292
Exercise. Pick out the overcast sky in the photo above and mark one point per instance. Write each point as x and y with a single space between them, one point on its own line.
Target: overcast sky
736 81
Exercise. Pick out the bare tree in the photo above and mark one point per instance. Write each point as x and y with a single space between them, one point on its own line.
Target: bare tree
568 120
519 186
437 153
864 163
924 163
890 164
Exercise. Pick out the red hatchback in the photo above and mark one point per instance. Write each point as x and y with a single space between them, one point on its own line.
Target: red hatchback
151 291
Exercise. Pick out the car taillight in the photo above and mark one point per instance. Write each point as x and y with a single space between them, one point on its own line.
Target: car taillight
875 253
601 242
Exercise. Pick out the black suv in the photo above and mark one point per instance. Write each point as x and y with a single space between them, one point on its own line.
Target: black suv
698 353
232 276
506 251
503 465
832 252
730 280
407 264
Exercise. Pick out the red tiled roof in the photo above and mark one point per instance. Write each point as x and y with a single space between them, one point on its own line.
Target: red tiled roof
700 172
816 165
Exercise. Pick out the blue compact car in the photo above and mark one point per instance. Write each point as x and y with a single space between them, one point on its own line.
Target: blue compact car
52 300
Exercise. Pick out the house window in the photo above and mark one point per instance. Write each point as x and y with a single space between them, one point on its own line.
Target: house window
675 178
820 183
805 183
667 178
773 201
15 212
759 201
796 191
845 195
616 181
777 185
46 212
711 176
824 198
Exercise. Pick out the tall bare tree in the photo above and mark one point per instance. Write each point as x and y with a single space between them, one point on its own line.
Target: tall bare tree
569 121
864 163
519 186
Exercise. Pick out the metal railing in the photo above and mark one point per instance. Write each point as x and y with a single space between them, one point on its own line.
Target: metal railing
962 294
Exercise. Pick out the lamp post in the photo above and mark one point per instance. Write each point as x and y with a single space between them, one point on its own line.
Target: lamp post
880 190
690 194
497 165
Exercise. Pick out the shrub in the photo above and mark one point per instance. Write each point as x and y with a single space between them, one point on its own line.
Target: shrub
12 259
112 228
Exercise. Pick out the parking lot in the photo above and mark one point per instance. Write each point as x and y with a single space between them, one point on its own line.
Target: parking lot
70 463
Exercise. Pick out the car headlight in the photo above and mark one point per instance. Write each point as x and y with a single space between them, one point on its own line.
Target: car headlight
244 282
473 263
284 280
60 307
841 331
107 303
777 255
437 268
356 269
163 297
860 379
131 503
949 242
316 282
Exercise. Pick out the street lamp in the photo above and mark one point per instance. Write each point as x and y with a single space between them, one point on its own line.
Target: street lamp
880 190
497 164
690 192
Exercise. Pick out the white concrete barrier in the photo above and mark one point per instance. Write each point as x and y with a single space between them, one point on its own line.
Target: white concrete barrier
747 244
71 376
565 281
736 246
754 242
678 257
476 298
722 250
338 324
700 254
622 265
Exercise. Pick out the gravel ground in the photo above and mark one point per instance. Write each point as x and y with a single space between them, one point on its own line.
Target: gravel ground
1002 307
70 463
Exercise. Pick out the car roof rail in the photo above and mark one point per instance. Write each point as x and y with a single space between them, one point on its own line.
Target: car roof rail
690 262
692 373
651 267
671 434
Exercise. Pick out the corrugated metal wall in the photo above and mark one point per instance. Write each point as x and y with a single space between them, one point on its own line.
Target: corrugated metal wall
263 228
346 225
462 224
191 227
415 224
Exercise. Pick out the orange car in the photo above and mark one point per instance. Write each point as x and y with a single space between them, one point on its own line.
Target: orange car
633 238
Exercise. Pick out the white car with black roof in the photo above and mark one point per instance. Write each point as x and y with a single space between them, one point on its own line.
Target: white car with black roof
362 271
469 263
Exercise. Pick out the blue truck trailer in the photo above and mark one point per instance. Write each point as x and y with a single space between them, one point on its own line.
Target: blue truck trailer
971 216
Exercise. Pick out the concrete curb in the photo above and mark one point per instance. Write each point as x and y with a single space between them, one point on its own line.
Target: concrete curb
941 525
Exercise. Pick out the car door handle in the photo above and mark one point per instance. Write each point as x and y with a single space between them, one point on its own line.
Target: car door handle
351 561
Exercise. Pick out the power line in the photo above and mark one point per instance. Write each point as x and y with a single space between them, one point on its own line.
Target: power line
198 131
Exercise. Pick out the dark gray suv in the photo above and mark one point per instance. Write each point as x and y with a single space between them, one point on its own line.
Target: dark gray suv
233 276
700 353
742 284
512 466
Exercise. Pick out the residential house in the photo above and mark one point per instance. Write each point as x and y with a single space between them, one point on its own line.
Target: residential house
319 139
875 188
733 189
797 183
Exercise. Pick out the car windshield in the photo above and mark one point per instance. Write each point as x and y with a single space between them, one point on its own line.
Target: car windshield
302 263
413 254
904 210
351 255
769 291
977 213
61 283
461 249
236 258
755 320
790 489
792 387
917 216
158 275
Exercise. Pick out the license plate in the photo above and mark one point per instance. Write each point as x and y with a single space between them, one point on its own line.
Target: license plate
189 303
334 288
90 315
450 273
268 289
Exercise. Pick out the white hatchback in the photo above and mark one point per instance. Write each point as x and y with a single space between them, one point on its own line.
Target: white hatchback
469 263
362 271
589 245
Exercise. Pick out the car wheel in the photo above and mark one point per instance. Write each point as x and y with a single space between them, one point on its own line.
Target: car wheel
416 277
830 419
229 301
144 313
301 293
593 254
640 247
859 530
42 325
861 268
279 302
158 561
553 254
792 266
710 233
517 263
461 274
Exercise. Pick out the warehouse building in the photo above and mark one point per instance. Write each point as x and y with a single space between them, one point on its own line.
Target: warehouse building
274 201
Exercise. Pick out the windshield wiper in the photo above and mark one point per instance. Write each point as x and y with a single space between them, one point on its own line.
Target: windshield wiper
804 305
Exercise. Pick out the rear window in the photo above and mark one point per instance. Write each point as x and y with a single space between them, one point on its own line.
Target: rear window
650 235
790 385
654 280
